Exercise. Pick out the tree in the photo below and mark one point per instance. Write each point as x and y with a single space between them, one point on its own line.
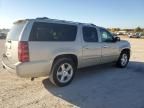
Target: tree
113 29
138 29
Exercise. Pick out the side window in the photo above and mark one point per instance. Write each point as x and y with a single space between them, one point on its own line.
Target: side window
106 36
42 31
90 34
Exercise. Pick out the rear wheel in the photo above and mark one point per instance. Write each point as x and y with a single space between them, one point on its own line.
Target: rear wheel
63 72
123 59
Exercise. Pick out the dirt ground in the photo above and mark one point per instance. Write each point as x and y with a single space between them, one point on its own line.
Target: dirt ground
93 87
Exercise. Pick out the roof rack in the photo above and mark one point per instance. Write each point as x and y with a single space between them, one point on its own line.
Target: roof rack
46 18
42 18
19 21
93 24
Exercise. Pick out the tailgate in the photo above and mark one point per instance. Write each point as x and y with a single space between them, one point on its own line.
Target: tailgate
11 45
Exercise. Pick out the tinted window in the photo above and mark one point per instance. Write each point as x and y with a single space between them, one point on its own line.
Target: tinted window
52 32
106 36
15 31
90 34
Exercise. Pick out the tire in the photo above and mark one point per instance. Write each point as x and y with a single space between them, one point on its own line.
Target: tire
123 59
60 72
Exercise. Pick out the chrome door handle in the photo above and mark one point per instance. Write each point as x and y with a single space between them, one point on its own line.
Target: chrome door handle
105 46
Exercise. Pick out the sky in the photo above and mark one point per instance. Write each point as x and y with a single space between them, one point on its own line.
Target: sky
105 13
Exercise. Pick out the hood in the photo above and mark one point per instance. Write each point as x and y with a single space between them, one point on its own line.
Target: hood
124 44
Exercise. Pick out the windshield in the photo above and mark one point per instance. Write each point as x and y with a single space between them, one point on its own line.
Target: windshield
15 31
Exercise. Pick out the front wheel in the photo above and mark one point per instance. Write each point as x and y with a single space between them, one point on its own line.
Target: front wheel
123 60
63 72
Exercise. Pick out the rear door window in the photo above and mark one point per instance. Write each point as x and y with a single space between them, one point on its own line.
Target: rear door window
90 34
15 31
42 31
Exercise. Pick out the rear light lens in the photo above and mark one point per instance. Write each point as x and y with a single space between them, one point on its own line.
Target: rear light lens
23 51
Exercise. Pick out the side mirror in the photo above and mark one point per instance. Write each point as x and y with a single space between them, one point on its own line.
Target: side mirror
116 39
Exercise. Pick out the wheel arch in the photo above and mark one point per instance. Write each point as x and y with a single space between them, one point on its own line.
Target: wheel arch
71 56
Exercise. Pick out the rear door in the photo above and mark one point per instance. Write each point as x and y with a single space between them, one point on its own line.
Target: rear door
11 45
91 46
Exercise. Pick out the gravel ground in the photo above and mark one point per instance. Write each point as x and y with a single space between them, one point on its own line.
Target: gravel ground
93 87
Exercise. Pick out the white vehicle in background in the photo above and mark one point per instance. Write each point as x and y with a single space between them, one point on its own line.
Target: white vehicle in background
141 34
135 35
121 32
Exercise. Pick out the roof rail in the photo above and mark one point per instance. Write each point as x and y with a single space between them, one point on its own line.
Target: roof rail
93 24
46 18
19 21
42 18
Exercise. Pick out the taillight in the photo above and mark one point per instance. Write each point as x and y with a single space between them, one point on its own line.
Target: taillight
23 51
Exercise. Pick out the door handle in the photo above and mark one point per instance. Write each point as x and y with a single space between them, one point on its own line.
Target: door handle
105 46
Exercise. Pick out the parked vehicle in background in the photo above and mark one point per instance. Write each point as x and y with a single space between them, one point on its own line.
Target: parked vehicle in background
56 48
135 35
2 35
121 32
141 34
114 34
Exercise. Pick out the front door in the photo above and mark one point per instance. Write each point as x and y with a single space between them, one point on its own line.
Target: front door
110 49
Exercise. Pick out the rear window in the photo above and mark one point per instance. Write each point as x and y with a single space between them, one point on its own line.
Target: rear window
15 31
52 32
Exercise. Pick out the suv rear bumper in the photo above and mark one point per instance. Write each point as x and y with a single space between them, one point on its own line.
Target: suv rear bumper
8 68
7 65
28 69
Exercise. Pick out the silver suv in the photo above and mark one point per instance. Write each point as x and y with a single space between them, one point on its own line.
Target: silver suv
56 48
